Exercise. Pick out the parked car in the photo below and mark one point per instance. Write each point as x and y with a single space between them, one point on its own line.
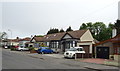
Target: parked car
72 51
22 48
5 46
44 50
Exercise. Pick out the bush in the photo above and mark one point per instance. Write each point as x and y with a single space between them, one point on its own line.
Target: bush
13 49
31 48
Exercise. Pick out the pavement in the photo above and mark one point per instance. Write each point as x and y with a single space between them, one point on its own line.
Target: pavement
55 55
100 61
90 60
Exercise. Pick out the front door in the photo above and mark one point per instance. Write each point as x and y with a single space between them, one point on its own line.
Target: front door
102 52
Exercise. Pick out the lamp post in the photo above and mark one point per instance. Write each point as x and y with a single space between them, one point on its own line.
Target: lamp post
11 36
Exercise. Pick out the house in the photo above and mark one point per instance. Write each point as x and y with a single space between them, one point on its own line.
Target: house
60 42
22 42
36 40
108 49
15 42
10 42
5 42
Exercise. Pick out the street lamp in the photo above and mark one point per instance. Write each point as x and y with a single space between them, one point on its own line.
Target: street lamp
11 36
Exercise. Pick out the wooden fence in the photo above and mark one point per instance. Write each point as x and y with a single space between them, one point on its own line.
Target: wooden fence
83 55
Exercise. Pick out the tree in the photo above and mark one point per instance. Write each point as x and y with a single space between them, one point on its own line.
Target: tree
69 29
52 31
88 25
3 35
83 26
99 30
109 29
111 26
117 26
61 30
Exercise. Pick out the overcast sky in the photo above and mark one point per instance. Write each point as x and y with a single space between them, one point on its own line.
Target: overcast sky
27 17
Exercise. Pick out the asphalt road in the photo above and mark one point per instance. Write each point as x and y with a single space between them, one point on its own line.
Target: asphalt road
14 60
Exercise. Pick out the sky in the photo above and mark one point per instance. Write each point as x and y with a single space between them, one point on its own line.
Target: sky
23 18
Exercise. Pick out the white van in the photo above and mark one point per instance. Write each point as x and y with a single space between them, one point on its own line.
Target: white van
22 48
72 51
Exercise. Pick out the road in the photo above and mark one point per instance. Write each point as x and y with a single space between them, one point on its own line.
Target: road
19 60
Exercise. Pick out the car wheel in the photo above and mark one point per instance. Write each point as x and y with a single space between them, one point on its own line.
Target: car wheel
51 52
73 56
21 50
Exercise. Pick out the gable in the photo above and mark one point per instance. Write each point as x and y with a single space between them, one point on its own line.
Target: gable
33 40
66 36
87 36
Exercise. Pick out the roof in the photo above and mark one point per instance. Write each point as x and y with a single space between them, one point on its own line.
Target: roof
25 39
37 38
56 36
77 34
15 40
96 41
115 39
59 36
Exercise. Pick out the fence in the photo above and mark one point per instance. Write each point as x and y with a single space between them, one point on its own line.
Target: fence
83 55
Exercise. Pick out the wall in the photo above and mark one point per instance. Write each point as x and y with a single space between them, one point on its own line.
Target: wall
87 36
117 57
15 43
22 43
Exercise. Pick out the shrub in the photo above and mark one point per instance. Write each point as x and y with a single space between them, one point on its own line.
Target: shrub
31 48
13 49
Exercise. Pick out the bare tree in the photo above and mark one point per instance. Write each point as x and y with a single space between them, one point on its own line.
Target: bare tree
3 35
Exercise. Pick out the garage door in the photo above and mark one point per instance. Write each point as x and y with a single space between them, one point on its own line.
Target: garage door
102 52
85 47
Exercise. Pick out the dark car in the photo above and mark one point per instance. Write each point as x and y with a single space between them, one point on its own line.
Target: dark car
44 50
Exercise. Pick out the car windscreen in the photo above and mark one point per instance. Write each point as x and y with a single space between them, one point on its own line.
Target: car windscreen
72 49
45 48
80 49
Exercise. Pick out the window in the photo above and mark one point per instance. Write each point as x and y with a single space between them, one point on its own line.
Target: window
57 44
105 49
99 50
73 43
47 43
21 46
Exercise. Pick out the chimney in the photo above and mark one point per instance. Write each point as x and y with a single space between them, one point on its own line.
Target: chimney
17 37
114 32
